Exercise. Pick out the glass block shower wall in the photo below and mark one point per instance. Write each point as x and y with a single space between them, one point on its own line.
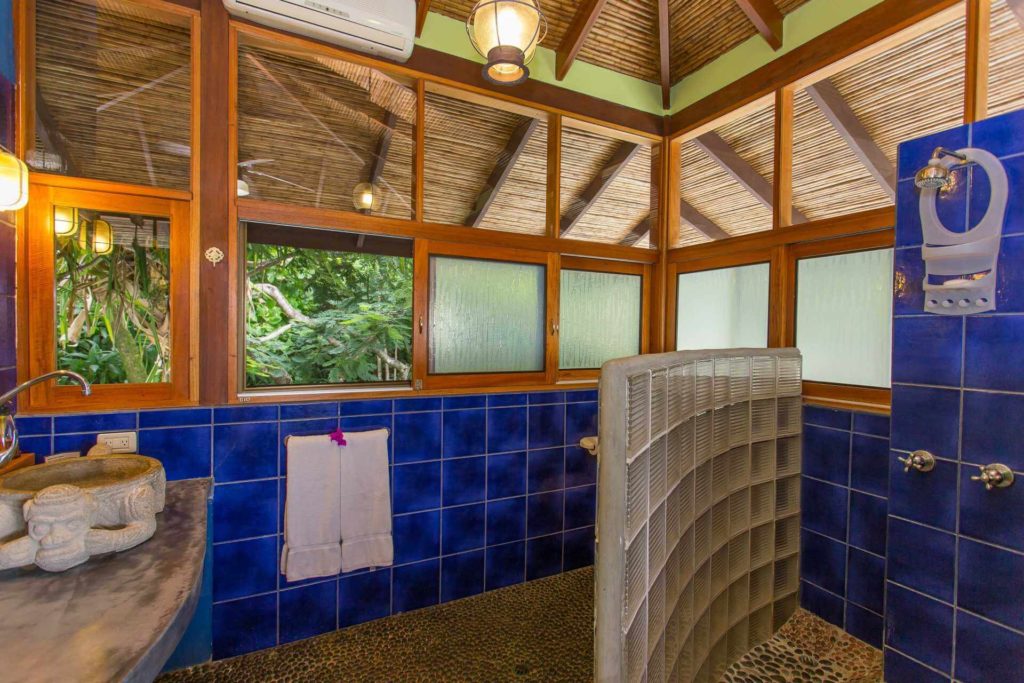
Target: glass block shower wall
698 510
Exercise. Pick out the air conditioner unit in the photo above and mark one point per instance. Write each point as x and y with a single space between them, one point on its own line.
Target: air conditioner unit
386 28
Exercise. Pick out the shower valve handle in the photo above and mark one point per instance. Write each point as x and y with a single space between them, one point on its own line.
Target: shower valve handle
995 476
922 461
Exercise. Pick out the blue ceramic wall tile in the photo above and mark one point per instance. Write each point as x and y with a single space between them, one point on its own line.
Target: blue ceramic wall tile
498 400
823 563
363 597
41 446
914 154
417 436
546 470
94 422
544 514
865 580
465 432
462 575
1000 135
541 397
178 417
367 423
547 425
64 443
991 583
308 611
991 341
869 465
580 421
919 626
986 652
464 480
580 507
581 395
922 558
908 296
826 454
900 669
506 429
415 585
580 467
995 516
417 536
244 568
416 487
822 603
506 565
373 407
506 475
506 520
413 405
866 423
830 505
244 510
1014 220
827 417
463 402
245 625
992 429
543 556
578 548
35 426
306 411
868 626
867 522
245 414
1010 282
929 350
929 498
245 451
926 419
184 451
462 528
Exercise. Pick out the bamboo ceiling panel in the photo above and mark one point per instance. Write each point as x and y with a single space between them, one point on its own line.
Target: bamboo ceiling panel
1006 68
702 30
623 204
464 142
559 14
311 128
113 93
625 39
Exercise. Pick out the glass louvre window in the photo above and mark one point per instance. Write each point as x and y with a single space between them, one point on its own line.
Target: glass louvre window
599 318
844 317
113 284
486 316
723 308
113 95
326 307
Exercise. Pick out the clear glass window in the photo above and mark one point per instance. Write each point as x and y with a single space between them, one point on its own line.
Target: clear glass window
599 318
723 308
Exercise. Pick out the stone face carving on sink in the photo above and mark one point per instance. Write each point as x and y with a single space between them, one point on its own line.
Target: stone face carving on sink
58 515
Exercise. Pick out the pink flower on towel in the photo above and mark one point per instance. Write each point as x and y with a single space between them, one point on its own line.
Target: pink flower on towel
338 437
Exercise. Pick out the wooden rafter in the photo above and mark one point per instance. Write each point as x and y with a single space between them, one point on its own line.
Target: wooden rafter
576 35
620 158
664 53
1017 7
422 8
766 18
380 153
517 142
722 153
638 232
831 103
688 213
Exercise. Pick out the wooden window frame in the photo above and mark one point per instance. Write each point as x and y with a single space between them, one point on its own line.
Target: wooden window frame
617 267
36 299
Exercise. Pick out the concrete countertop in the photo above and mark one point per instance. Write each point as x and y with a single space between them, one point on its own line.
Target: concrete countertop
118 617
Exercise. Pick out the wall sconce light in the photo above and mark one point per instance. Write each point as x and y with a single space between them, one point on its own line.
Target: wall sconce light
102 237
366 197
13 182
242 188
506 34
65 221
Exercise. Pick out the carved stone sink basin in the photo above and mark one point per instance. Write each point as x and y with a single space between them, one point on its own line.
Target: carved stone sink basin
59 514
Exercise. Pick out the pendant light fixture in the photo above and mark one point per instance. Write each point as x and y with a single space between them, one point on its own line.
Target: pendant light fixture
506 34
13 182
366 197
65 221
102 237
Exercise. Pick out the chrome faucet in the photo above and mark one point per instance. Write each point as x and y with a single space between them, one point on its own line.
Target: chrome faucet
8 429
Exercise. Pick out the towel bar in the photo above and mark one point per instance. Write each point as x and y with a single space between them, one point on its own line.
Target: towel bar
387 429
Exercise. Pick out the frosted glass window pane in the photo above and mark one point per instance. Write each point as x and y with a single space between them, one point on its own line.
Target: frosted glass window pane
600 318
486 316
723 308
844 317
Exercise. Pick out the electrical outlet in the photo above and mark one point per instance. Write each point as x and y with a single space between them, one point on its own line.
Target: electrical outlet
119 442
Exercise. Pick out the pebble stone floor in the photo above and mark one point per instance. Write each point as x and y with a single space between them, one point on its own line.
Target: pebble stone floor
536 631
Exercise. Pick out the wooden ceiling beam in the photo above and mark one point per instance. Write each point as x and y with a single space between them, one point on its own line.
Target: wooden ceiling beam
845 122
766 18
620 158
690 214
722 153
664 54
517 142
380 154
638 232
576 35
422 9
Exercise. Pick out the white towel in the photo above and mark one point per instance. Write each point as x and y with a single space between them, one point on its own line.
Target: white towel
365 501
312 510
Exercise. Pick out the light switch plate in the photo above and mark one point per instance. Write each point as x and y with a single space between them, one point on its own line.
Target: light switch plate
119 442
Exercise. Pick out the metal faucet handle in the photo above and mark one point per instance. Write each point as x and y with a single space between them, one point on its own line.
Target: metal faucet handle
994 476
922 461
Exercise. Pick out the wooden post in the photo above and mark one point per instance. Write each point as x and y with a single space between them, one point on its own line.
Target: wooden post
976 74
782 195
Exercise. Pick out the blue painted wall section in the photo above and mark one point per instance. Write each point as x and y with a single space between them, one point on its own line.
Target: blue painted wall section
845 486
955 583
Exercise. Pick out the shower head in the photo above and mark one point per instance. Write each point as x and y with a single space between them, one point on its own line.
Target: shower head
937 174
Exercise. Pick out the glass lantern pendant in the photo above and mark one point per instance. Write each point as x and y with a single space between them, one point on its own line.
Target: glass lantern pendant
506 33
13 182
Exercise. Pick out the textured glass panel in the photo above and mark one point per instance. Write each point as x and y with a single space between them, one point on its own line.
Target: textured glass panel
113 296
486 316
843 317
723 308
600 318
